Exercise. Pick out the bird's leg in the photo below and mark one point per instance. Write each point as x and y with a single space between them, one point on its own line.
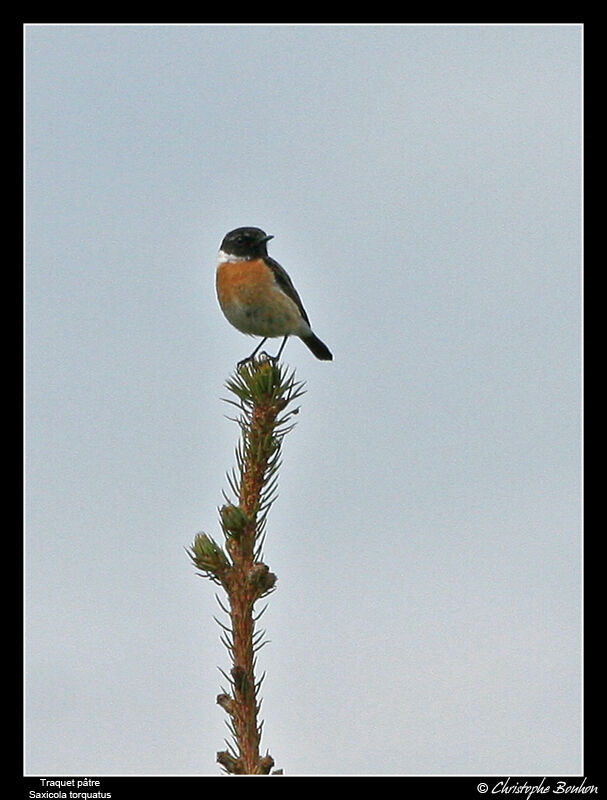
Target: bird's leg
282 347
253 354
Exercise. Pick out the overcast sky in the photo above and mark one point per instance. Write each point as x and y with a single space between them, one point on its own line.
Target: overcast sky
423 187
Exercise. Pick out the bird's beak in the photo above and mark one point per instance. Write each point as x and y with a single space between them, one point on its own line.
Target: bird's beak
266 238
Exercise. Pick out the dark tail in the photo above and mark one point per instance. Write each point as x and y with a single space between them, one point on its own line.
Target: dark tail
319 349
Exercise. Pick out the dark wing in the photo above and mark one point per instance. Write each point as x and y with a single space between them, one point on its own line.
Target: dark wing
283 280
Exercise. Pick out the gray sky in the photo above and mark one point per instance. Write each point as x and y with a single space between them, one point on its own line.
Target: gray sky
423 186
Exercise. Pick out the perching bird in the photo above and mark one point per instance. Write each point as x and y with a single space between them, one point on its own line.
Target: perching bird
257 296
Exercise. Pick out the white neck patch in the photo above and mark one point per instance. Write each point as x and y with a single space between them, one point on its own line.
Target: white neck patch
223 258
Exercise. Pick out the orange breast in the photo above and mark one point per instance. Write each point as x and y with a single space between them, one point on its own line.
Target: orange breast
243 282
253 302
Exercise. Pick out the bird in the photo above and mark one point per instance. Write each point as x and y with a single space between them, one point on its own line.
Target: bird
257 296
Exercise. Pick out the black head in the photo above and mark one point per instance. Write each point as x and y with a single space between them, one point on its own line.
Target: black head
246 242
